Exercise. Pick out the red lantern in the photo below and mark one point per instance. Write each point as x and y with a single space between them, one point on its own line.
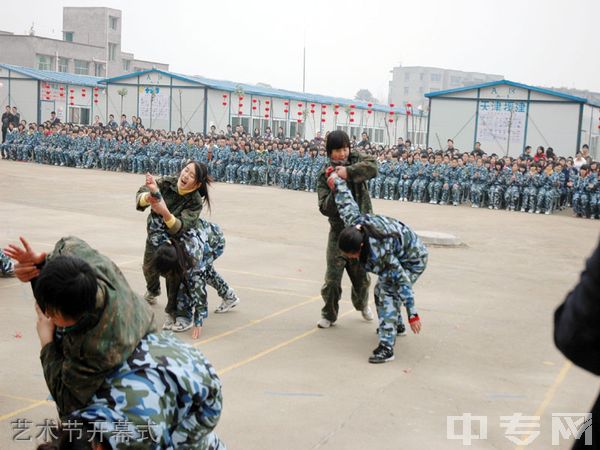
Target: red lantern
336 113
391 113
299 113
352 106
224 103
369 111
241 97
71 97
286 111
95 101
95 95
47 98
62 95
82 89
224 95
299 105
392 105
83 94
322 120
266 116
96 89
71 103
408 105
299 120
267 102
71 91
312 111
323 113
267 109
254 108
47 86
369 104
336 106
598 126
324 106
351 113
408 113
253 100
239 113
62 88
351 120
391 120
240 105
286 103
312 105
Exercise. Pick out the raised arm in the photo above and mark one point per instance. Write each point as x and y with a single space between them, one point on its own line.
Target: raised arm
346 205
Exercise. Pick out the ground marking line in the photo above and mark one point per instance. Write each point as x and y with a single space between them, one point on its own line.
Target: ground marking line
19 411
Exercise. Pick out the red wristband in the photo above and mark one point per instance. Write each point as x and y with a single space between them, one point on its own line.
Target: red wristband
414 318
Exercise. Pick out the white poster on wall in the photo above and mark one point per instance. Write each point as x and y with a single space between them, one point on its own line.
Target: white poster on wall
501 121
154 102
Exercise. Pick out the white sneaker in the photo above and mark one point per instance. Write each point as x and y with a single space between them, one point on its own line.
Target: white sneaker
227 305
324 323
367 313
169 323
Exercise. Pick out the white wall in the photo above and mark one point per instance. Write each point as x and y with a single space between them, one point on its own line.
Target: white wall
452 119
553 125
23 95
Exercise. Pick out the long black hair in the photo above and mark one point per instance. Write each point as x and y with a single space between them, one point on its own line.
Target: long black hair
352 237
204 179
172 257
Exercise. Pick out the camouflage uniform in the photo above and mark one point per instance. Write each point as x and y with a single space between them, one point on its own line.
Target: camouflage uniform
186 208
166 395
79 359
7 267
360 169
397 260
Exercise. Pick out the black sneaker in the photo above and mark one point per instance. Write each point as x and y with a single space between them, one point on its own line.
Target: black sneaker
383 353
401 330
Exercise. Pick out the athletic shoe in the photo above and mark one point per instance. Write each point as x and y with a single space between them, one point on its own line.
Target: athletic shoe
324 323
151 297
523 210
383 353
182 324
228 304
367 313
169 323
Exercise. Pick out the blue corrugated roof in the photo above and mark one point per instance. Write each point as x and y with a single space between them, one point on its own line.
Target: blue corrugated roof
55 77
251 89
509 83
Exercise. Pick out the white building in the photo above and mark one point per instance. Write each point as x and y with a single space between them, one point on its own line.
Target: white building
409 84
169 101
505 116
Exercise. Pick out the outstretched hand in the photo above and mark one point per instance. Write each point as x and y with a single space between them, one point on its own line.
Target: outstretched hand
160 208
27 259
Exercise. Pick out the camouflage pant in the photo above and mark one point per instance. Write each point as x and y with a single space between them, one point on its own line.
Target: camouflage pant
511 196
332 288
389 188
451 188
434 188
496 196
394 291
6 265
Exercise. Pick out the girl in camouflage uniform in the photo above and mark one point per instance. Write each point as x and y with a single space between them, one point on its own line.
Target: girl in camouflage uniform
392 251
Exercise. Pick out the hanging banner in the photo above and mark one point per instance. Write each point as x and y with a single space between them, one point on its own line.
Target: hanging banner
500 121
154 102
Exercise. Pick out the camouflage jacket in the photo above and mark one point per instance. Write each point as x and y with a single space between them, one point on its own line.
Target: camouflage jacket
77 361
360 169
165 396
390 258
186 208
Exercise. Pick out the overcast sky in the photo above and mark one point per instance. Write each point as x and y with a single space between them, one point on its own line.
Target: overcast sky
349 44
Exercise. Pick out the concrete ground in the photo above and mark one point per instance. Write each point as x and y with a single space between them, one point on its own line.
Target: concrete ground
486 346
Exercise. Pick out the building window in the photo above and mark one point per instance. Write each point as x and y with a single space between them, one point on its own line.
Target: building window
406 76
455 80
406 90
126 64
44 62
114 22
99 70
68 35
63 64
82 67
79 115
112 51
436 77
